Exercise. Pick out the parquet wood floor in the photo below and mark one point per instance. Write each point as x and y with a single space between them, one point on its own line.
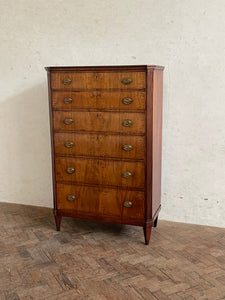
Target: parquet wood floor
97 261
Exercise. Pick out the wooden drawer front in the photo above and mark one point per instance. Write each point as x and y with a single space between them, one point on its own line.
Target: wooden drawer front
97 80
101 202
103 172
101 145
105 100
99 121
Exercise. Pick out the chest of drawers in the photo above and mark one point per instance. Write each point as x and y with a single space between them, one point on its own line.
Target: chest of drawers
106 134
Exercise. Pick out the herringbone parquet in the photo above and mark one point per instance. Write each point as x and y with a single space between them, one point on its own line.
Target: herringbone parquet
92 260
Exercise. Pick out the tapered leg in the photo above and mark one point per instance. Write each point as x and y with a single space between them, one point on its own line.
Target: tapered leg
147 234
58 221
155 222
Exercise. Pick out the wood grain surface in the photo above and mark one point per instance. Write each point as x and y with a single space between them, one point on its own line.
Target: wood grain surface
98 80
100 172
99 121
99 99
101 201
100 145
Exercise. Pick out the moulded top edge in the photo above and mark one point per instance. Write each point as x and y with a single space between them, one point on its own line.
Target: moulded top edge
106 68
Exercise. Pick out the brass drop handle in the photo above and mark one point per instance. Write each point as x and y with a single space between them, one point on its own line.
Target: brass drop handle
127 101
67 100
69 144
127 174
70 170
127 203
126 80
71 197
67 81
68 121
127 147
127 123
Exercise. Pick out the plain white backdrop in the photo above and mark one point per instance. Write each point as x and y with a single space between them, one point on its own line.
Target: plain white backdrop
186 36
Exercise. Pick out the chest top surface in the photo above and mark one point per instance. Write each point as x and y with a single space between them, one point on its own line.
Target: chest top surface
105 68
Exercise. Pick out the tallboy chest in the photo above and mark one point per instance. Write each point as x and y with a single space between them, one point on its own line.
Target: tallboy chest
106 125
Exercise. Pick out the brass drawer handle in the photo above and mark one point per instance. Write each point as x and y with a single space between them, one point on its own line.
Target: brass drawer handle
69 144
127 101
70 170
127 203
68 121
126 80
127 123
127 175
71 197
67 100
127 147
67 81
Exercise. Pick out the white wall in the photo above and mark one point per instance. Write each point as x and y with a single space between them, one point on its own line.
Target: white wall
186 36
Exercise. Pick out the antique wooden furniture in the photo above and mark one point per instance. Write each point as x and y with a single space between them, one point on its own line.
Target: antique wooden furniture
106 133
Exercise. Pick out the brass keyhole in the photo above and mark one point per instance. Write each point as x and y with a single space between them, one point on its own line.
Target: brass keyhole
97 95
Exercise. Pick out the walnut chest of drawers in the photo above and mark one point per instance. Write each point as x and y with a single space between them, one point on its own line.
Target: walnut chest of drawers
106 133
